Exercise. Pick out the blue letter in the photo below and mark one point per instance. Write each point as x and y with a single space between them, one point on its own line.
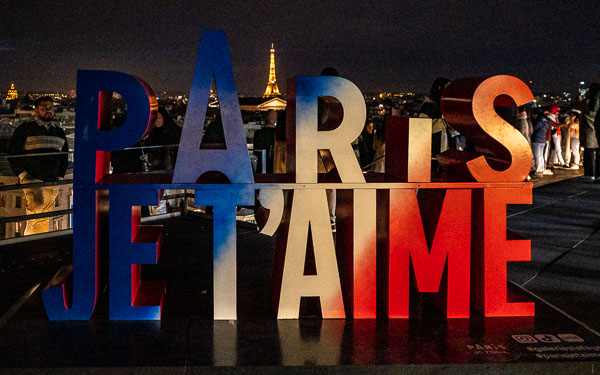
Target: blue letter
93 139
213 60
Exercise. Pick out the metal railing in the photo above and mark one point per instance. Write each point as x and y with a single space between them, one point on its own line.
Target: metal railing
21 219
255 156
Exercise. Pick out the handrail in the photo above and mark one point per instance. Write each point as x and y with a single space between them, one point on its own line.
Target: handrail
12 219
373 162
51 214
180 195
38 154
34 185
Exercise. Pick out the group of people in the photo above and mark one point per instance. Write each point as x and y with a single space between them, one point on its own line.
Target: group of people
156 151
556 136
546 138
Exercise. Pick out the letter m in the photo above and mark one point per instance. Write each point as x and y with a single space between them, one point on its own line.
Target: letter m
451 241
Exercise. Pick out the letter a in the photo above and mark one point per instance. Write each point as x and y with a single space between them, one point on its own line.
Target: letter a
309 208
213 60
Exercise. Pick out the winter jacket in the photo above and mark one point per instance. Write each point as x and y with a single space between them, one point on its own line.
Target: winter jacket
540 128
588 126
167 136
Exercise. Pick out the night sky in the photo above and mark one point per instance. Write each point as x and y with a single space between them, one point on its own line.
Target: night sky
379 45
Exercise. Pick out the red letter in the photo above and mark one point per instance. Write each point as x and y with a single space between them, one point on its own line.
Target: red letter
498 250
468 106
407 241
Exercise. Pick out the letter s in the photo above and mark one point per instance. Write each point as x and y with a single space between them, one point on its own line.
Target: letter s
468 106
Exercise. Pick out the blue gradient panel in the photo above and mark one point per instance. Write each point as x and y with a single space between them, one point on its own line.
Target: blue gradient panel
84 288
308 139
224 204
124 254
213 61
141 107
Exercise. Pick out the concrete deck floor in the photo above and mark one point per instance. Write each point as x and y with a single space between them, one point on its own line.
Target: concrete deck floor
563 279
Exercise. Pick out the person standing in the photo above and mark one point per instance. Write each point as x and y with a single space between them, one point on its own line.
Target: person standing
588 131
523 124
379 148
165 133
441 134
573 149
556 149
264 139
538 142
279 145
38 152
161 154
365 145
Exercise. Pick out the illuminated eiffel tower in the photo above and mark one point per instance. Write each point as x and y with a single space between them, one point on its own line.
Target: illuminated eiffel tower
272 89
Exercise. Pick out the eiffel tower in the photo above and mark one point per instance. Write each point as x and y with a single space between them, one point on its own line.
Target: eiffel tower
272 89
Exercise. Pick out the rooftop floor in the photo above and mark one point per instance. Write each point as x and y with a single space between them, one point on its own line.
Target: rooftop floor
563 279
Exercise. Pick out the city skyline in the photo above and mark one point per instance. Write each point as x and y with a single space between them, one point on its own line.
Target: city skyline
381 46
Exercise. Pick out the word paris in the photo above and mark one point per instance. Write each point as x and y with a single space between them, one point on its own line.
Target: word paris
390 225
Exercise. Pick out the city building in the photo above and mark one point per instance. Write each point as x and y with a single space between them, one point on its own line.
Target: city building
262 104
12 93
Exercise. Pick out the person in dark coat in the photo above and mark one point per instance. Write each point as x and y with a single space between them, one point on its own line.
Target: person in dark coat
589 131
165 133
213 133
159 151
365 145
538 142
129 160
431 106
264 139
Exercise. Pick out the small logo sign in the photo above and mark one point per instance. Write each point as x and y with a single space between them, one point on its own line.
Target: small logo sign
569 337
524 339
547 338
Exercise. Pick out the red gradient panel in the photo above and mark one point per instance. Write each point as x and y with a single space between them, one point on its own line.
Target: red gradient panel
408 148
499 250
145 293
365 255
104 123
452 241
502 153
101 239
396 148
365 281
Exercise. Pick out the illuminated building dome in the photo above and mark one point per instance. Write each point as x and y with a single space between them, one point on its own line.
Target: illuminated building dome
12 93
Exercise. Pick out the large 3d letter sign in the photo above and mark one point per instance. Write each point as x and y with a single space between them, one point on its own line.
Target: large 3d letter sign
390 226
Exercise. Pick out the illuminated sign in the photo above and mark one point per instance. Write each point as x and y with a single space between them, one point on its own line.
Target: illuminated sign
455 227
